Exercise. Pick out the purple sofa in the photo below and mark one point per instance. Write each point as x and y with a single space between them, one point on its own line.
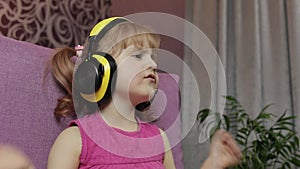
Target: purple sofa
27 104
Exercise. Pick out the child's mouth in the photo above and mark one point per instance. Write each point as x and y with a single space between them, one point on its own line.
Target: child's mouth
152 77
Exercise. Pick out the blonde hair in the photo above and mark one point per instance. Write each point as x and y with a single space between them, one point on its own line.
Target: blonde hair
113 42
123 35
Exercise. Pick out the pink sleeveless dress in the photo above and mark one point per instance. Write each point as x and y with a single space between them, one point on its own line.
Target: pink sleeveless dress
111 148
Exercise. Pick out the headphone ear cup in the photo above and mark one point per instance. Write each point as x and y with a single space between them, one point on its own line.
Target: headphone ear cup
89 76
94 77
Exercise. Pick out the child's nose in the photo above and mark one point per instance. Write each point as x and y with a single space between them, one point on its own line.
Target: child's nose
151 63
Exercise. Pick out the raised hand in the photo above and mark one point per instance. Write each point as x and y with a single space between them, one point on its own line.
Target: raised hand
224 152
13 158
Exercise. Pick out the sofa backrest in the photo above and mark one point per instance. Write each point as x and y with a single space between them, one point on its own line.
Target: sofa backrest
27 104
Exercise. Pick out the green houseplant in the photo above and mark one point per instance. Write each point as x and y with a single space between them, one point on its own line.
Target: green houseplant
276 146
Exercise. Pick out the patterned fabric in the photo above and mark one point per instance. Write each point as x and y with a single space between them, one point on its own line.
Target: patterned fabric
112 148
51 23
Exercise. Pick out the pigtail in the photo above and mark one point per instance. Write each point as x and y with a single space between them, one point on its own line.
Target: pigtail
62 68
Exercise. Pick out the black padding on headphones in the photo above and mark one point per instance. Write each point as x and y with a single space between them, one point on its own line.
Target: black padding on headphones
89 76
112 77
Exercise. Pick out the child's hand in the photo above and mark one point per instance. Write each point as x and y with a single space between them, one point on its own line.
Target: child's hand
12 158
224 151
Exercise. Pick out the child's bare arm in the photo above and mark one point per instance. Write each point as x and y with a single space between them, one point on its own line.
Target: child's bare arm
65 151
168 159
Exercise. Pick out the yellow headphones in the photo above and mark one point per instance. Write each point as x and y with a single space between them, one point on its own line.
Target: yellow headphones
94 76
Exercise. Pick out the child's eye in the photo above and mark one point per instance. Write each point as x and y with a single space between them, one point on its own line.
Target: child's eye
139 56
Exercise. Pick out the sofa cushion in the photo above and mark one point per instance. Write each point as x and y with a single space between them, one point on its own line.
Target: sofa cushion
27 104
26 107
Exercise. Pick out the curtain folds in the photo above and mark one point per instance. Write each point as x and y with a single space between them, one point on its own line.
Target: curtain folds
258 44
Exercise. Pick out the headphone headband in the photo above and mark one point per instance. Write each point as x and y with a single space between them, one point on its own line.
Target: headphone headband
105 25
100 29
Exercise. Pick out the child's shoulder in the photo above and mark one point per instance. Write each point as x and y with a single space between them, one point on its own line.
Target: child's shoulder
72 131
70 135
66 148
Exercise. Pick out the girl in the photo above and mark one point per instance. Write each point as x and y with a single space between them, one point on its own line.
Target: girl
115 80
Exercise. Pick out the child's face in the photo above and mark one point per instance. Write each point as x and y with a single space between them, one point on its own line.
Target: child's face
137 78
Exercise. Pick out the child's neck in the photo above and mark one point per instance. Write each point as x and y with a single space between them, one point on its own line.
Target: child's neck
120 116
